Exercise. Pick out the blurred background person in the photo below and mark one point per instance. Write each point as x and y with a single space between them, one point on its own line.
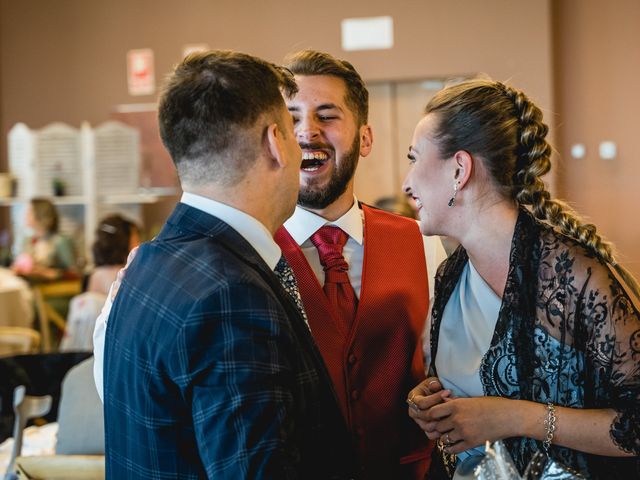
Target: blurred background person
46 254
115 236
398 204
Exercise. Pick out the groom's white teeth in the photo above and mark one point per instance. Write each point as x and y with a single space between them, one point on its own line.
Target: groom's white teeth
314 156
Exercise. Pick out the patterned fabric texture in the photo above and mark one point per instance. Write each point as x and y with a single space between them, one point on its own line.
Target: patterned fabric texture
209 369
330 242
288 281
568 332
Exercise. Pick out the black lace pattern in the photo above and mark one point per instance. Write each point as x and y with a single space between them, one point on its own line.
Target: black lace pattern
568 333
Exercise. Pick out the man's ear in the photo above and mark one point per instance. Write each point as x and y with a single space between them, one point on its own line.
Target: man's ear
274 144
463 164
366 140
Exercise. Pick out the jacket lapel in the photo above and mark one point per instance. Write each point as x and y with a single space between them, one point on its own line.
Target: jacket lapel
186 220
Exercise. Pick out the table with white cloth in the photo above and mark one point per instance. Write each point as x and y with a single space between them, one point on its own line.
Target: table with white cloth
16 300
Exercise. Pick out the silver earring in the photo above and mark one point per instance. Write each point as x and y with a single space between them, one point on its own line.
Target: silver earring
452 200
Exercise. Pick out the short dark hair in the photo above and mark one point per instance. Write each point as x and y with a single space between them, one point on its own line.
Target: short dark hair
112 240
211 109
312 62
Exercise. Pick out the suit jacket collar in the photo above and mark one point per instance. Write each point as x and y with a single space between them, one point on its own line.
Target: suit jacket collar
252 229
186 220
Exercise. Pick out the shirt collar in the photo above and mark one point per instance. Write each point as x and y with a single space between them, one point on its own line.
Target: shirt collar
247 226
303 223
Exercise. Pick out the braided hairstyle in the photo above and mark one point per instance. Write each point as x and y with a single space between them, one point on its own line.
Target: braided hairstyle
503 127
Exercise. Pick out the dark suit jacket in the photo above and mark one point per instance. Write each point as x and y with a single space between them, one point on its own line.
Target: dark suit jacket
209 369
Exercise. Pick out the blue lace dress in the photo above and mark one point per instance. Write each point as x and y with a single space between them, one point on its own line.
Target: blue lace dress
567 332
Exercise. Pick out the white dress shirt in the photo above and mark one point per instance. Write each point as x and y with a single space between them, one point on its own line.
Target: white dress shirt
248 227
303 224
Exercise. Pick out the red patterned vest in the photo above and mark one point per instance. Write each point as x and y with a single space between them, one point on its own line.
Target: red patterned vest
375 364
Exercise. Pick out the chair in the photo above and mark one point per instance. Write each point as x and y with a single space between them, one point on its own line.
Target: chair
18 340
43 293
25 407
80 414
42 374
80 439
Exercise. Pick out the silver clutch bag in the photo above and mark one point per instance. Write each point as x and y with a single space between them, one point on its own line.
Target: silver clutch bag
498 465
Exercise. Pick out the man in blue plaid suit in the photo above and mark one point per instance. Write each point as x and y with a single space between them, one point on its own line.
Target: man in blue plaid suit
210 370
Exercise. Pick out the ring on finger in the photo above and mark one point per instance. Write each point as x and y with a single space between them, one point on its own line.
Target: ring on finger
413 404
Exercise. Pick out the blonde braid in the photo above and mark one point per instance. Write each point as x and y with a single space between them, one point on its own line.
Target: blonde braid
533 161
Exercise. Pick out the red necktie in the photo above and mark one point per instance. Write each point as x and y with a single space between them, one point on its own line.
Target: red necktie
337 287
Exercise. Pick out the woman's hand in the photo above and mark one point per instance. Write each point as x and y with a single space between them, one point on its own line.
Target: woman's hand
423 397
465 423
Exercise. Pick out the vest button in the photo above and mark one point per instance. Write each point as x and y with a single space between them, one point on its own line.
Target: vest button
355 394
352 359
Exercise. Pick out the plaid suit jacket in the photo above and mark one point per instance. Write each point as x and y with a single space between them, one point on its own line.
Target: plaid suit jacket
210 371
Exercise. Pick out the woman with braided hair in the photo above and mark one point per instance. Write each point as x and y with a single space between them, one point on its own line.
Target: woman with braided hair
535 329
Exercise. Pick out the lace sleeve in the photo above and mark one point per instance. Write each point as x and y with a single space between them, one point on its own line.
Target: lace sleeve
587 307
612 327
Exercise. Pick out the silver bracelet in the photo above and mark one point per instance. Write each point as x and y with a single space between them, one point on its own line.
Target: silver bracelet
550 426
